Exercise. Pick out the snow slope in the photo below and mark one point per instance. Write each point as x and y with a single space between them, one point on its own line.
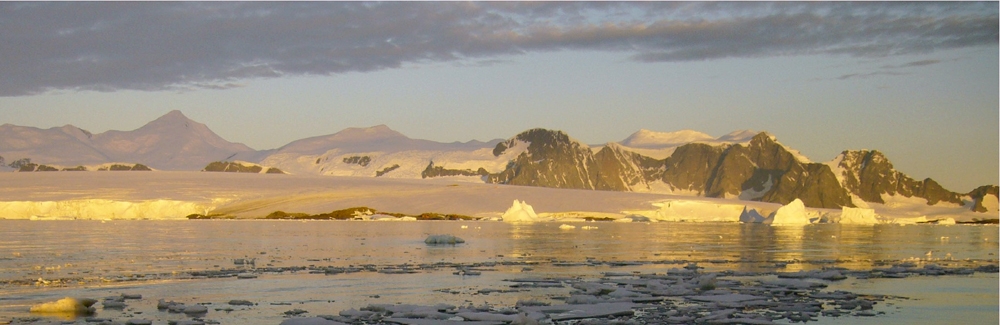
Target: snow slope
384 148
173 195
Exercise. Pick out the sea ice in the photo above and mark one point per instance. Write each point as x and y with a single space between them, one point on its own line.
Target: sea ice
310 321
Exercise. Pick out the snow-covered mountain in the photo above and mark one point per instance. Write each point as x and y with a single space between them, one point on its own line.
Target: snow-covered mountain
744 164
376 151
171 142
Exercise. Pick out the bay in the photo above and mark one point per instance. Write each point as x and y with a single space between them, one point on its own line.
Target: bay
160 260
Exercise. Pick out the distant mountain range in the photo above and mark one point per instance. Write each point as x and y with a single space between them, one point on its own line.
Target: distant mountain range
744 164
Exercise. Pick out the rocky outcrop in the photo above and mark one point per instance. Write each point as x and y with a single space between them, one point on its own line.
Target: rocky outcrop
869 175
125 167
552 159
236 167
979 195
386 170
438 171
362 161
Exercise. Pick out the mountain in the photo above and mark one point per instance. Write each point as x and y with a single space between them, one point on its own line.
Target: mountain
762 170
171 142
59 145
549 159
375 151
869 175
743 164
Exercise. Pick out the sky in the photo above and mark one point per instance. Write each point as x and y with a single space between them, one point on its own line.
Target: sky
915 80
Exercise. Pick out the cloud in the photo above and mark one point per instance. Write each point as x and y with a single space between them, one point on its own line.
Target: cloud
107 46
870 74
920 63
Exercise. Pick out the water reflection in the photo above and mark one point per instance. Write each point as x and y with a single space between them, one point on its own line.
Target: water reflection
29 250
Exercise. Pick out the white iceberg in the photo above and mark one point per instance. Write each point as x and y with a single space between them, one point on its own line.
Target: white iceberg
794 213
859 216
520 212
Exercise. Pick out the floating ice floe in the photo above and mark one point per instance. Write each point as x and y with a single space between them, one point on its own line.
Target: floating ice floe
565 226
520 211
66 305
443 240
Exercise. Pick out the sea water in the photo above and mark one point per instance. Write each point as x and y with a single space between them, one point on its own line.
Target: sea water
46 260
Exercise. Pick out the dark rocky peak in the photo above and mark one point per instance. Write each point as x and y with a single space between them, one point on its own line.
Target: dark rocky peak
537 139
869 174
551 159
861 159
767 153
979 194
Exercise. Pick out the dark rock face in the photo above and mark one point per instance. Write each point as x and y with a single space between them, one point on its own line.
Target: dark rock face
438 171
623 170
980 193
763 166
387 170
690 167
869 174
552 159
234 167
120 167
363 161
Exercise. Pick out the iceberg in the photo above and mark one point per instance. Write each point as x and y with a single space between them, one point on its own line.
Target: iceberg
693 211
858 216
520 211
794 213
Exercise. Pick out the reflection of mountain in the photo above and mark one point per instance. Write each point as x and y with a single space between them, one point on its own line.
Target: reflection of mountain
744 164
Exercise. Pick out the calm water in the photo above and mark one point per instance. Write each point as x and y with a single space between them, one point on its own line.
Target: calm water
154 258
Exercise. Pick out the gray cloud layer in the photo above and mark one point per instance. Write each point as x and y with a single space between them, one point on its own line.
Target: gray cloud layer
108 46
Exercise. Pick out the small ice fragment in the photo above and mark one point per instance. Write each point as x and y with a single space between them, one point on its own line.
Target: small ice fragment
195 309
565 226
443 240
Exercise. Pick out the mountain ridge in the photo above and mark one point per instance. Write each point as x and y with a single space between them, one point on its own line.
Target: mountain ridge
735 165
